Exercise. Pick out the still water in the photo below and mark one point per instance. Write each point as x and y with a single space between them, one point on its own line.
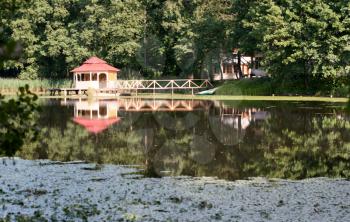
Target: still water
225 139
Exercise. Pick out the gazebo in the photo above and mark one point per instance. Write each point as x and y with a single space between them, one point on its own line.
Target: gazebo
95 73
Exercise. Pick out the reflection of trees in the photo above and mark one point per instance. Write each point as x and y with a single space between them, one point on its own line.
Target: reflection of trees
177 121
17 121
291 143
322 150
74 143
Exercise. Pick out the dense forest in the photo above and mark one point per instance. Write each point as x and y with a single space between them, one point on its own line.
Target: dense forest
298 40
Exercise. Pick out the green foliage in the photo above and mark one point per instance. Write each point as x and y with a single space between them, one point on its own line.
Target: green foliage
9 48
310 39
17 121
57 35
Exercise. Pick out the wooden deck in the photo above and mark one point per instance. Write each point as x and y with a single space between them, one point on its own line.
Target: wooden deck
70 91
122 86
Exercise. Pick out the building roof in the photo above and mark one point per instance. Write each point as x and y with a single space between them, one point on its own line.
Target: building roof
95 125
95 64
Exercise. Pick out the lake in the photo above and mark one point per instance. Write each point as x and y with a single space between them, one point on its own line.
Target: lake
225 139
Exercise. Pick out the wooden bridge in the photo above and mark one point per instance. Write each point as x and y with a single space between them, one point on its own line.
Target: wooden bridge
155 85
122 86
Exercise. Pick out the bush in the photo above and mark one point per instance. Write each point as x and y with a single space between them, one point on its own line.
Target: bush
17 121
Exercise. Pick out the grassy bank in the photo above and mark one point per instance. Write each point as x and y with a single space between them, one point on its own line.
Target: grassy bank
214 97
250 87
268 87
247 98
10 85
245 89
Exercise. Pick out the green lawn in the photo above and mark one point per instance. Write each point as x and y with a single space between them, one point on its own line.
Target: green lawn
250 87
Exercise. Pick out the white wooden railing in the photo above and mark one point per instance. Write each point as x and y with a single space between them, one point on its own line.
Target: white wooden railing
163 84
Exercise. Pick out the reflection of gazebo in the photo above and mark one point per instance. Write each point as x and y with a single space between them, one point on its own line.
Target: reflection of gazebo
95 125
95 73
95 116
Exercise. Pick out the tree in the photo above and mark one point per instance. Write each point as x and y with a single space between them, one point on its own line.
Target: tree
113 30
10 49
210 28
17 121
58 35
166 20
309 39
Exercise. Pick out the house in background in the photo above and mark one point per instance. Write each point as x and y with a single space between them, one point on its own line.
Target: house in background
94 73
228 66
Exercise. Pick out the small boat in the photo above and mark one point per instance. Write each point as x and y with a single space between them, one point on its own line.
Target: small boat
207 92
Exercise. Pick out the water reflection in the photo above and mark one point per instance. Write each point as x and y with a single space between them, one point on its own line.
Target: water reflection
96 116
230 140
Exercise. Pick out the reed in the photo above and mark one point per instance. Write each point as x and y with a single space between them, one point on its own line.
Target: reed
10 85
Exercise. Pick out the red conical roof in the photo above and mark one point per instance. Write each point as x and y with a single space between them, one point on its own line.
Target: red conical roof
95 64
95 60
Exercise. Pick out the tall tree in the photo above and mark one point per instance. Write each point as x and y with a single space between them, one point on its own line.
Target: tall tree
58 35
166 21
305 38
211 33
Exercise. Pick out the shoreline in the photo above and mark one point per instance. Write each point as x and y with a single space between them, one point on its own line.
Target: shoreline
205 97
79 191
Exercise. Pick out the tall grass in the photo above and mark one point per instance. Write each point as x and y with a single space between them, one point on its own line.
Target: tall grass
10 85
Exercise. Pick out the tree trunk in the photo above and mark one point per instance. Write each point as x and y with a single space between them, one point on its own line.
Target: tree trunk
171 67
221 72
210 72
240 73
306 74
198 65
